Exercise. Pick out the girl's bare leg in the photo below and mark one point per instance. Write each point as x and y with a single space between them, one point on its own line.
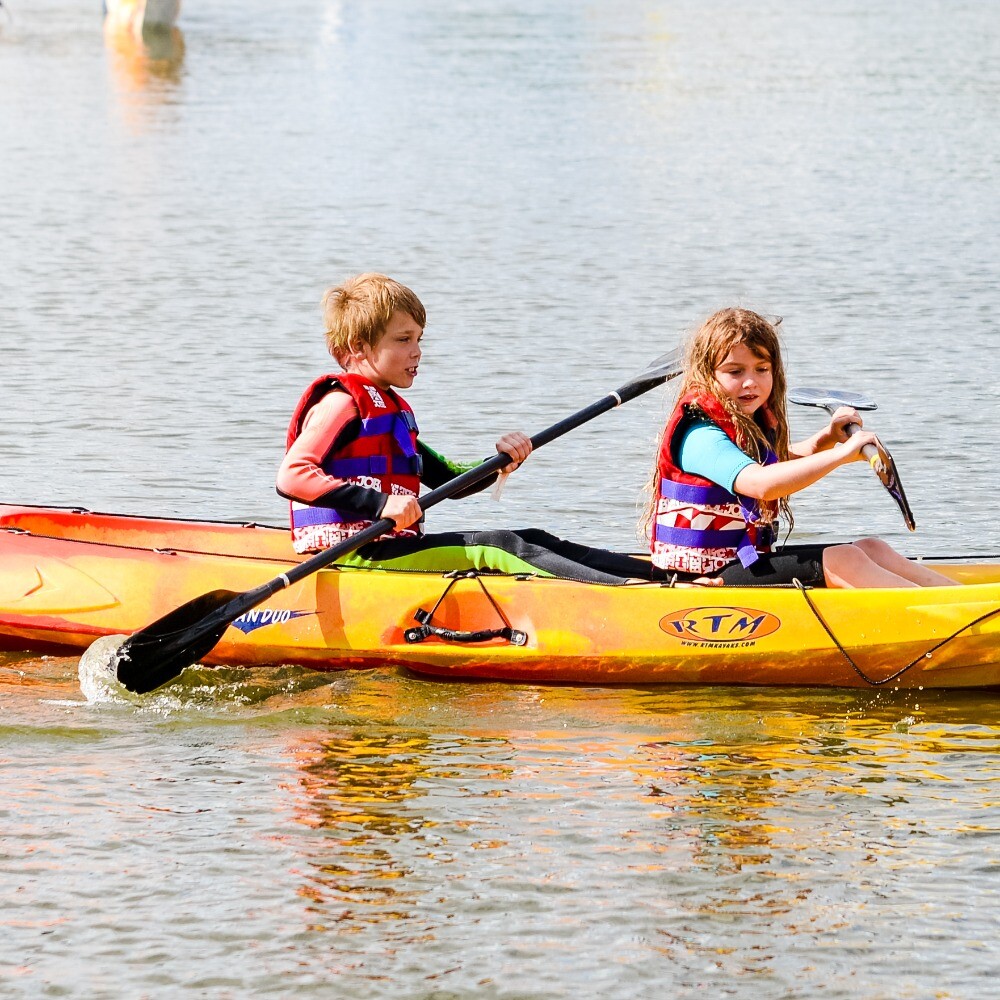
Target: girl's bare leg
870 562
887 557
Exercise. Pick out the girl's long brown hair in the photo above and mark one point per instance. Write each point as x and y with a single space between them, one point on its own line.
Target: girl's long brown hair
706 350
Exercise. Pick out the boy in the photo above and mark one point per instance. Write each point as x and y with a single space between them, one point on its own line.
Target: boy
354 455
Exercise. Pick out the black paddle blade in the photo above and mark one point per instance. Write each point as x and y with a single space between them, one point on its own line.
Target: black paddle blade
830 399
889 477
159 652
661 369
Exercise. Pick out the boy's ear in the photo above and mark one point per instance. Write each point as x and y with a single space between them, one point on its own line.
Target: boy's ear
362 353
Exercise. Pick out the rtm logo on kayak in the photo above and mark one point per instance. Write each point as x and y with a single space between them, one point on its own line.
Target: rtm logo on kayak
252 620
726 626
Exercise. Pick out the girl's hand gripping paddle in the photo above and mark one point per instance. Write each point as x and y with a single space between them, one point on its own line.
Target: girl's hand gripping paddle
878 458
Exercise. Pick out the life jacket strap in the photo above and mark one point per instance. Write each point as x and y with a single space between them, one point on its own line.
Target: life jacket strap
377 465
700 538
303 517
713 496
400 425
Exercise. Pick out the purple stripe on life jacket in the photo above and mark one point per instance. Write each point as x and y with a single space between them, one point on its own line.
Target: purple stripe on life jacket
347 468
698 538
374 426
393 424
747 553
302 517
376 465
710 496
404 438
706 496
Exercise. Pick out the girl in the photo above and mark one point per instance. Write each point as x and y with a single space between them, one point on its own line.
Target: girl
725 470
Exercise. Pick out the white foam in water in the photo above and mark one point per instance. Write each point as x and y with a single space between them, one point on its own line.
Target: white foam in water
99 682
98 677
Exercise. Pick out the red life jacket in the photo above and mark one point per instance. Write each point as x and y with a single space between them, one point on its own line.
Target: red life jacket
382 457
701 526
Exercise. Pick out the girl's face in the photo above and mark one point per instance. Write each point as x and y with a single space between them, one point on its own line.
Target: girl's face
746 378
393 361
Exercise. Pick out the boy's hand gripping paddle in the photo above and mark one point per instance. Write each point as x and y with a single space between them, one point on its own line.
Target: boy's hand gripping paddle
158 653
878 458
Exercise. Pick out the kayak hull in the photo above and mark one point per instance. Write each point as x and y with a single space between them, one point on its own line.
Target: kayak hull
68 577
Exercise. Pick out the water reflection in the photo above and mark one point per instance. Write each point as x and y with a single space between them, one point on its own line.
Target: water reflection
745 803
144 58
733 833
135 15
363 791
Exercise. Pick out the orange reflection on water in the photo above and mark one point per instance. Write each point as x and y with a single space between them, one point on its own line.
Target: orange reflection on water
359 790
687 813
144 61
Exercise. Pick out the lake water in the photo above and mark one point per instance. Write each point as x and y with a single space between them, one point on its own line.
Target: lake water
570 188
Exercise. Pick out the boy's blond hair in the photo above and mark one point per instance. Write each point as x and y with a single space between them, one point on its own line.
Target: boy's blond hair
357 312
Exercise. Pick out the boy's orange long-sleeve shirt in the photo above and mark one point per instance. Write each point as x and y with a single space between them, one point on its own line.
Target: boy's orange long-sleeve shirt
328 425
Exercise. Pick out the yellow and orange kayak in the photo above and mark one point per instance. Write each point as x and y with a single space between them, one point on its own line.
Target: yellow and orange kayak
69 576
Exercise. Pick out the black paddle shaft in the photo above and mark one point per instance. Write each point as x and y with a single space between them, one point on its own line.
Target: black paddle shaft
454 486
158 653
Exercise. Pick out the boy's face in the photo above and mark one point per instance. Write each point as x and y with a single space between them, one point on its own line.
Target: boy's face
394 359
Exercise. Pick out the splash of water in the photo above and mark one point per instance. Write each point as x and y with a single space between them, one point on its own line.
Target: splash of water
217 687
98 672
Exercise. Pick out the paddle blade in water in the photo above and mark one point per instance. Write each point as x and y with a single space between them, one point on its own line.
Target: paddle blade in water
159 652
98 673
